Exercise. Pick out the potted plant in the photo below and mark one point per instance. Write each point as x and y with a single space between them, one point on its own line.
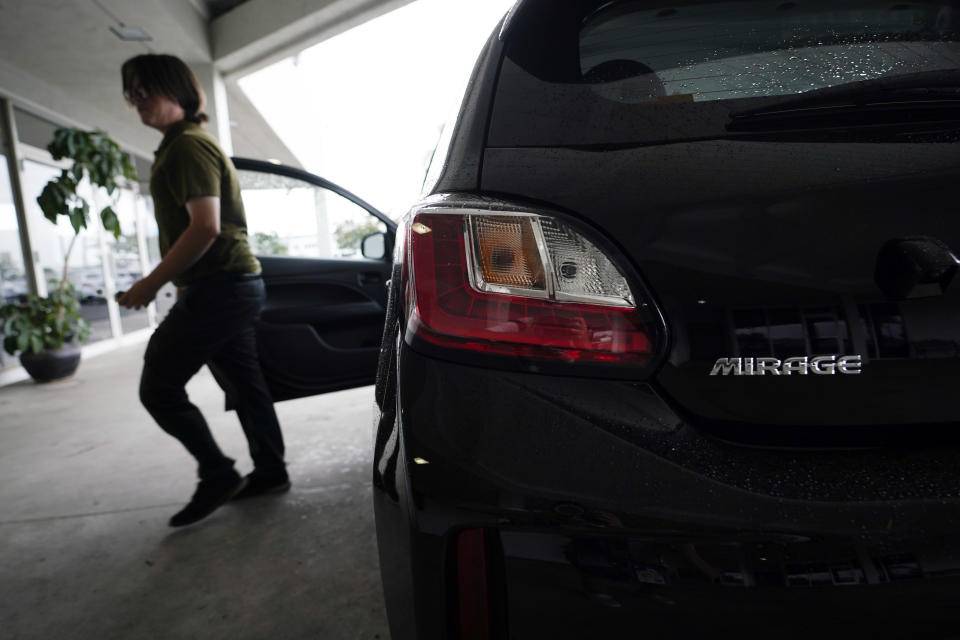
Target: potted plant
47 330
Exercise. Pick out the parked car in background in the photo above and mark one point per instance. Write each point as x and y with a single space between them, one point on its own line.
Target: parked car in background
13 287
89 284
671 341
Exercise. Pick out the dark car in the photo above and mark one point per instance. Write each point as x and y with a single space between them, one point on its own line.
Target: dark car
640 204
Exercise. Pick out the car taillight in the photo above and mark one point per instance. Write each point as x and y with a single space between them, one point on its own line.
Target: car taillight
522 284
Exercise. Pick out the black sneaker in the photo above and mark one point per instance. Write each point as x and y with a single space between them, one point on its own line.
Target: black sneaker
260 484
210 495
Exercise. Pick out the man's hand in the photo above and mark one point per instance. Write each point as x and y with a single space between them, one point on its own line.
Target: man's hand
199 235
140 294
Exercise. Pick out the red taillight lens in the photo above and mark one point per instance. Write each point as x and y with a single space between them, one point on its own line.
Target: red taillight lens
521 285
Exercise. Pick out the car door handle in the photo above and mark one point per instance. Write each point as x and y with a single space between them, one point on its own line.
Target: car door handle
369 279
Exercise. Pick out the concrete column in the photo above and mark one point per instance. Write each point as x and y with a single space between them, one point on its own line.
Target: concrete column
108 266
217 108
222 105
36 283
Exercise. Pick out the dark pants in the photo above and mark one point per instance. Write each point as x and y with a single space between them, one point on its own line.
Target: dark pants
212 323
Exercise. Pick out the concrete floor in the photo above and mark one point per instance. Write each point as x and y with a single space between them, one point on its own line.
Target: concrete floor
87 483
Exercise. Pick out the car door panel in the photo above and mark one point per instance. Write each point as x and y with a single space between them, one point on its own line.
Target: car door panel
321 326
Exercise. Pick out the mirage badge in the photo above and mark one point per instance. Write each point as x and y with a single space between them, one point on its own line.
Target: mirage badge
801 365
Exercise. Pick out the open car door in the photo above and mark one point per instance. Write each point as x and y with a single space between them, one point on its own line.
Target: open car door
321 326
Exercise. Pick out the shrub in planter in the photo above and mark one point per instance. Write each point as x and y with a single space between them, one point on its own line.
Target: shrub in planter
46 330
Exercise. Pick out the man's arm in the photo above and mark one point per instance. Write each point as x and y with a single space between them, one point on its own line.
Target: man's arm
199 235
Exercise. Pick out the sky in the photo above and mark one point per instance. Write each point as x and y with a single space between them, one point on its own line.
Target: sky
364 109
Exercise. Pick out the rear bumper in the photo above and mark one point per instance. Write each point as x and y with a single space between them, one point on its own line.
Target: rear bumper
622 586
594 530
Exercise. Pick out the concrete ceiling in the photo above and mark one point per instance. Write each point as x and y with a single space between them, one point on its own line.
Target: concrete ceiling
256 33
217 8
60 59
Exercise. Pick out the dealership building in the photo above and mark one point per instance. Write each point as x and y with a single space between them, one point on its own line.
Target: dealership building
60 66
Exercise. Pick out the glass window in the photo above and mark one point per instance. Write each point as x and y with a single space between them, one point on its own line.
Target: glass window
33 130
166 297
123 254
13 281
632 73
786 333
827 331
822 330
51 242
12 276
747 49
290 217
886 330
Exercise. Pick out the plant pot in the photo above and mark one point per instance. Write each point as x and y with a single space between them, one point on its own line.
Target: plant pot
52 364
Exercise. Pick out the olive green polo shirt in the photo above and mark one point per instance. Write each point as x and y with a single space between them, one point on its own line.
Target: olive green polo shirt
190 164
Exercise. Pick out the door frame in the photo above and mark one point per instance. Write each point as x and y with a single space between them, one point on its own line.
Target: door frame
249 164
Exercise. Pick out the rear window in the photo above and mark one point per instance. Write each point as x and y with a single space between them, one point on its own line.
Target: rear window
587 72
749 49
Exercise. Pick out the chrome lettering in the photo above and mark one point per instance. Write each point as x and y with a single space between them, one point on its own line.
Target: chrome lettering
824 365
801 365
795 365
767 365
850 364
725 366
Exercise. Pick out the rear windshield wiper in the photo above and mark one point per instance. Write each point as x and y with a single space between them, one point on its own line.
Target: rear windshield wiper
920 101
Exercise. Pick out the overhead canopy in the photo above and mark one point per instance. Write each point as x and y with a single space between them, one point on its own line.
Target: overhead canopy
61 59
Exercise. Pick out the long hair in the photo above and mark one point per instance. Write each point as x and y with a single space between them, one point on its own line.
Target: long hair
169 76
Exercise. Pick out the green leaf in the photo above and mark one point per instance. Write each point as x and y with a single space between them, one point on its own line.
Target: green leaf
98 158
57 145
39 322
129 171
51 202
71 143
103 170
68 187
78 217
52 341
110 221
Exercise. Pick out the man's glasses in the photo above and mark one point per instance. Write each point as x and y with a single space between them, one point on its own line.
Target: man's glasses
136 93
